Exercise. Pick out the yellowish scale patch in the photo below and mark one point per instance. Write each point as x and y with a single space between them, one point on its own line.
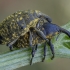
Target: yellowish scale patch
13 20
32 11
7 39
17 19
16 15
49 36
6 30
21 18
36 41
56 33
9 16
20 13
26 11
4 42
37 11
12 15
14 35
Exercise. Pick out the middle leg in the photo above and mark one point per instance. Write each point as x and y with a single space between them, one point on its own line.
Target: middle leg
31 45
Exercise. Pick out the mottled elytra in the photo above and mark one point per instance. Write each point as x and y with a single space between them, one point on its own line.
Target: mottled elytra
43 34
18 24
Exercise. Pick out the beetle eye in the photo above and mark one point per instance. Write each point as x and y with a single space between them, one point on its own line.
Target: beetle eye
21 27
21 23
1 37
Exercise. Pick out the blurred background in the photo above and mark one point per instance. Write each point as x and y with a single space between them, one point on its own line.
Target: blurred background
58 10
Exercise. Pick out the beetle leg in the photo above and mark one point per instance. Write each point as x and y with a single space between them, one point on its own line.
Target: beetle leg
10 47
11 44
52 48
65 31
44 52
37 25
45 16
33 53
32 47
36 47
41 34
30 39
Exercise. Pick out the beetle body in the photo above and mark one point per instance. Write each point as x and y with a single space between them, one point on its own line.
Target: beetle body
18 24
28 28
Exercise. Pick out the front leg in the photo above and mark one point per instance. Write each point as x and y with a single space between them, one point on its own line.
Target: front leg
32 47
36 47
52 48
41 34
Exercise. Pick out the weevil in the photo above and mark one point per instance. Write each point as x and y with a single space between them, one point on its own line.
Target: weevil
42 33
18 24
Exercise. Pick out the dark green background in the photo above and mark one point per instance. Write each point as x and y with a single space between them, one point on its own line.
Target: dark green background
58 10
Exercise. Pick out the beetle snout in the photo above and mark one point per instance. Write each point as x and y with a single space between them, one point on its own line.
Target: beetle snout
65 31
